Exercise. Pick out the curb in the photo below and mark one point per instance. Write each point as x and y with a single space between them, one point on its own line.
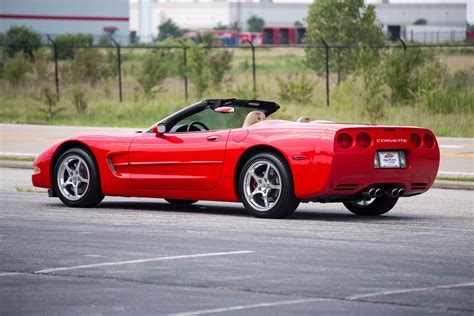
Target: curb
454 185
438 184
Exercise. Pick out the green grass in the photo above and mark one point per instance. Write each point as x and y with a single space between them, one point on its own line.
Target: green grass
20 104
16 158
456 179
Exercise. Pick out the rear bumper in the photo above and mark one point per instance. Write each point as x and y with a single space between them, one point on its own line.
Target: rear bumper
351 175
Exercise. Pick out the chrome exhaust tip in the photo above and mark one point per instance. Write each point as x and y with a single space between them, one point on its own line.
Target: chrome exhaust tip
372 192
401 192
378 192
395 192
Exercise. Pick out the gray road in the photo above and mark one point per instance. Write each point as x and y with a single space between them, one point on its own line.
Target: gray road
143 256
457 154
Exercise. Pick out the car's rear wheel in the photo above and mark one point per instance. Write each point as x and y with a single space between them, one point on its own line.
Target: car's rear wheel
76 179
373 207
180 202
266 187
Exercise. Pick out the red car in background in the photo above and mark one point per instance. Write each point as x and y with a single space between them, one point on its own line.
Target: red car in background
229 150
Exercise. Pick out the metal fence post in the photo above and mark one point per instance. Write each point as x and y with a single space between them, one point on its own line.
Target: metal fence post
403 44
119 68
254 69
185 72
56 74
326 46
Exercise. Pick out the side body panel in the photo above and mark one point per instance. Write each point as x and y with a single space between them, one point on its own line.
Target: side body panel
179 161
195 168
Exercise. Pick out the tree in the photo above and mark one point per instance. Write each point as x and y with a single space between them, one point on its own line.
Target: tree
255 24
21 39
421 21
67 43
340 23
198 69
152 73
169 29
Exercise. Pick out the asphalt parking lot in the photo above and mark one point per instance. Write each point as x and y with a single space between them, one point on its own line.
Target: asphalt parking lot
143 256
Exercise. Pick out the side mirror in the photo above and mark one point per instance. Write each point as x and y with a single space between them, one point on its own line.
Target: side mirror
159 128
224 109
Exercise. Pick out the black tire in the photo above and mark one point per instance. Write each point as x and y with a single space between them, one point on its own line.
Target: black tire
287 202
93 195
180 202
378 206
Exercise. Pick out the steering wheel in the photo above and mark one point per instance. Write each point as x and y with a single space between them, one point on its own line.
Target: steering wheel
197 123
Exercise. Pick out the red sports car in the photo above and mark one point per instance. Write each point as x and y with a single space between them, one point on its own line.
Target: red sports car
228 150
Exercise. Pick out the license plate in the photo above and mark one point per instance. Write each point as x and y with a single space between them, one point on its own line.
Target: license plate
389 159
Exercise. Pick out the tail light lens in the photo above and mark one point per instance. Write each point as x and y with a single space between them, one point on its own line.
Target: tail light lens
415 140
428 141
363 140
344 140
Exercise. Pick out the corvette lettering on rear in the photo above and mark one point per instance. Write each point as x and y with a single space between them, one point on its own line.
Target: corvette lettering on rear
392 140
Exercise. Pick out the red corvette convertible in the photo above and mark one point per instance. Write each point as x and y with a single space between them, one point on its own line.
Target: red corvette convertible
228 150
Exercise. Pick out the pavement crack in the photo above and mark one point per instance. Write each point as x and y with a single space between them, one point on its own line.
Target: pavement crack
247 290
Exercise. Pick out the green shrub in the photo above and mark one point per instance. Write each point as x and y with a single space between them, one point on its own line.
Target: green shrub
152 73
16 68
50 103
68 43
21 39
448 101
220 64
198 69
78 98
296 88
456 94
372 74
41 65
409 72
86 67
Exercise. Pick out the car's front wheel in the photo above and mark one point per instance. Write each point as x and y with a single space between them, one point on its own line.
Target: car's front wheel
266 187
373 207
76 179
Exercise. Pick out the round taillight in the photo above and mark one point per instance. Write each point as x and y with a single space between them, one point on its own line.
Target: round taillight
363 140
415 140
344 140
428 141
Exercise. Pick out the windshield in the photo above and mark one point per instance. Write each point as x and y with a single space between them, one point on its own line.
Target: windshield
208 119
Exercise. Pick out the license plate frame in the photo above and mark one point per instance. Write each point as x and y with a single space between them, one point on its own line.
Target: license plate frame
388 159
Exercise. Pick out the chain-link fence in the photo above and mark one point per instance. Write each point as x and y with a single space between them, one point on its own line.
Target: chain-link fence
257 69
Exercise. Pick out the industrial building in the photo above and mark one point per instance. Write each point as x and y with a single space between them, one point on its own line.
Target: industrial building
445 21
55 17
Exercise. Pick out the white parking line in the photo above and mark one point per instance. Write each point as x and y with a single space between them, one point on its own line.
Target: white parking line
419 289
242 307
118 263
9 273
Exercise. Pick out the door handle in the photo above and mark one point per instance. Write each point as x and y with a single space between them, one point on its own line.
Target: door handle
213 138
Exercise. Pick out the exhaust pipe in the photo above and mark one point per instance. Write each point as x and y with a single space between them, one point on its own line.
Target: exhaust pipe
401 192
378 192
395 192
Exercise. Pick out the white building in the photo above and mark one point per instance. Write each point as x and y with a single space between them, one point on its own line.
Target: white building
55 17
446 21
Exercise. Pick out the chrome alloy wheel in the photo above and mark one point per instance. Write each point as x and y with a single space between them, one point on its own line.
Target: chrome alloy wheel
73 177
262 185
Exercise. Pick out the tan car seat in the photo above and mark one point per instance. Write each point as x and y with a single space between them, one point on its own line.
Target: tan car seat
303 119
253 117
